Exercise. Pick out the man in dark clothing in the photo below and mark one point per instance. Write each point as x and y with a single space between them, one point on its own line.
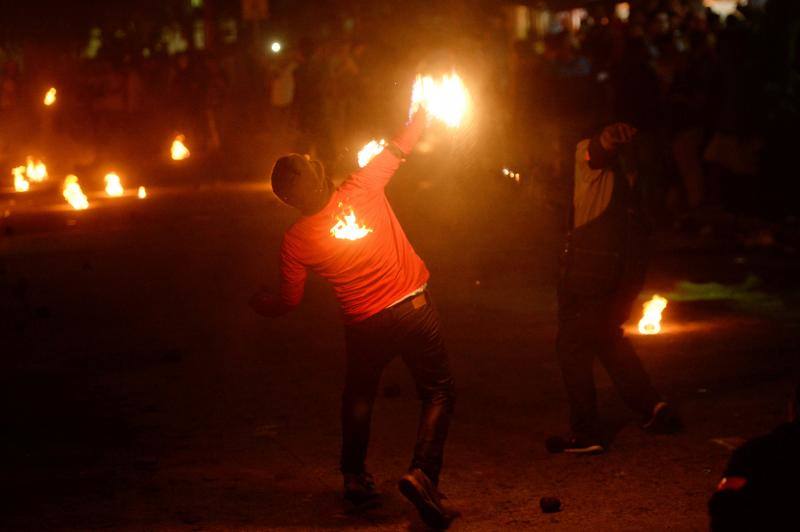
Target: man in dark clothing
758 490
602 273
350 236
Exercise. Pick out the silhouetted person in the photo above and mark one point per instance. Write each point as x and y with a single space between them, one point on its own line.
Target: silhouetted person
602 274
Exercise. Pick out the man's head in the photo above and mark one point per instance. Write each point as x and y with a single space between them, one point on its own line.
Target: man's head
301 182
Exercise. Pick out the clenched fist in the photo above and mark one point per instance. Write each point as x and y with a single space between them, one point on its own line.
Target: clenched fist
616 134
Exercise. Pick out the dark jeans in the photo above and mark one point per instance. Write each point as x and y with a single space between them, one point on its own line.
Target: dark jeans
589 328
414 334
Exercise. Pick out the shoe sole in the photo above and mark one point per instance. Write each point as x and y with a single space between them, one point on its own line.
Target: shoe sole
415 493
589 449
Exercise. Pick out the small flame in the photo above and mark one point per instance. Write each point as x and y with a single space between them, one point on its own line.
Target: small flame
178 150
20 183
113 185
347 228
35 171
74 195
142 193
651 319
445 99
50 96
371 150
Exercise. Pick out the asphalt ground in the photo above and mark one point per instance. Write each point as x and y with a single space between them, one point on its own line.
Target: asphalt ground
141 393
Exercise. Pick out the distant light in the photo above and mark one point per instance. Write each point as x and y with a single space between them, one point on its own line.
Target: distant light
622 10
723 8
275 47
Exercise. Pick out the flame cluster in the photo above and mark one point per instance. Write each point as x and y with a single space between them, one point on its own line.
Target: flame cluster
347 227
73 193
371 150
34 171
446 98
651 318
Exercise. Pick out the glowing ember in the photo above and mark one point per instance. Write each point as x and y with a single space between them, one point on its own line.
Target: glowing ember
651 319
142 193
50 96
35 171
370 151
20 183
178 150
74 195
347 228
113 185
445 99
511 174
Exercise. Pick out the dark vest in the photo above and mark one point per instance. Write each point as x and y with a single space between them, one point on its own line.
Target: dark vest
608 254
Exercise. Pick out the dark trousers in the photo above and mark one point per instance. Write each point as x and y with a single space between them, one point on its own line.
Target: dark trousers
412 332
590 328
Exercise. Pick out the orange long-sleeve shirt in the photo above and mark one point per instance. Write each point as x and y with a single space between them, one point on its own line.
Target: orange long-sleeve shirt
367 274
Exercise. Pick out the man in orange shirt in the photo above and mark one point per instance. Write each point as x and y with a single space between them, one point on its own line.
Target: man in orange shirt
350 236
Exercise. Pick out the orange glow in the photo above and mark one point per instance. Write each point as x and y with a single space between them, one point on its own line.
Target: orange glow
347 227
50 96
651 318
35 171
445 99
371 150
20 183
141 193
113 185
178 150
74 195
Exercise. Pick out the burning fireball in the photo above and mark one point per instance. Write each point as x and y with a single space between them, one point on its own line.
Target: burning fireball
50 96
347 228
141 193
178 150
113 185
20 183
371 150
35 171
445 99
74 195
651 318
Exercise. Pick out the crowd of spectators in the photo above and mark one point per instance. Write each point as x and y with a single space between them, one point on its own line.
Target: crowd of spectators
708 96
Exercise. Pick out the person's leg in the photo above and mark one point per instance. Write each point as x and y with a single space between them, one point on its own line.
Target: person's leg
366 359
575 348
624 366
424 353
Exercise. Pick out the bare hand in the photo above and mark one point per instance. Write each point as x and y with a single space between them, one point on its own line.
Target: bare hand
616 134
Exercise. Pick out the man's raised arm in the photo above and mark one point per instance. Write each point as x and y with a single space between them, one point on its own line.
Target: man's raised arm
380 169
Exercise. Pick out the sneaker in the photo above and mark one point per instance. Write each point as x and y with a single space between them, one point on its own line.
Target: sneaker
574 445
418 488
663 420
359 488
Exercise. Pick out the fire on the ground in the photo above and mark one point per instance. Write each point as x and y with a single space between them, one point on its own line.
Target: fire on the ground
651 318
